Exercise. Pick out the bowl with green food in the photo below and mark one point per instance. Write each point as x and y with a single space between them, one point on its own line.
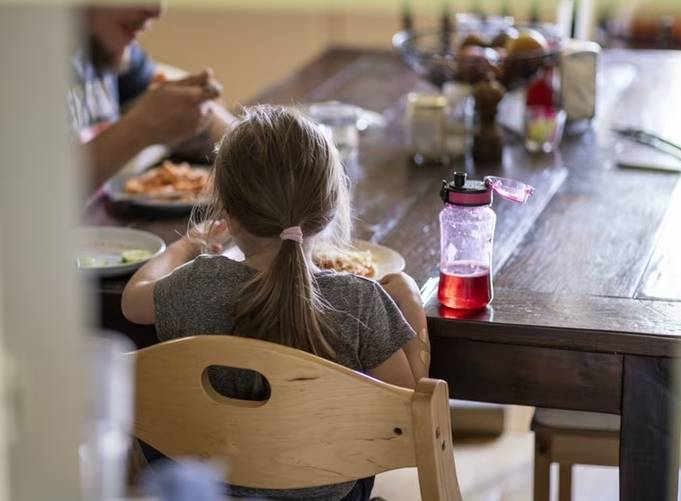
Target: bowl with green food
109 251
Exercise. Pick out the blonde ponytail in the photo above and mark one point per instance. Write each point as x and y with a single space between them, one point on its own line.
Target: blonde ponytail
274 171
282 304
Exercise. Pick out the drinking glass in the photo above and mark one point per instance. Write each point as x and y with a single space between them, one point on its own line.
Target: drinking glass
110 375
543 128
339 123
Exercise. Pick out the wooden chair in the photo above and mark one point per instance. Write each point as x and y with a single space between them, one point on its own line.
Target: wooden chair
569 438
323 423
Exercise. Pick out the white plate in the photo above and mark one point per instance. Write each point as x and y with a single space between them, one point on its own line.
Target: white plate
386 259
104 245
115 189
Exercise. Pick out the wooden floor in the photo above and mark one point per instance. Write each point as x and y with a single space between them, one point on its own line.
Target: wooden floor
501 470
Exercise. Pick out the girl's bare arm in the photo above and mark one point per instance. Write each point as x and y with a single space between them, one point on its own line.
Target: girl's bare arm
138 296
404 291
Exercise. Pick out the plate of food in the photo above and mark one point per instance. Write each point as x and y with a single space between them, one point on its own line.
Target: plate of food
169 187
363 258
109 251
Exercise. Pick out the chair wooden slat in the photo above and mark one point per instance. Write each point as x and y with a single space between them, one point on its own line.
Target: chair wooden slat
322 424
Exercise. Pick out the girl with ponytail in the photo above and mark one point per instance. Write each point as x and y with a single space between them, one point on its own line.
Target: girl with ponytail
279 188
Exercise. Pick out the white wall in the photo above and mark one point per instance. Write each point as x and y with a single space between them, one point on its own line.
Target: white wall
4 398
40 323
251 45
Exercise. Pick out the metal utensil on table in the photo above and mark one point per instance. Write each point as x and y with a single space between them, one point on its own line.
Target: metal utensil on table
650 139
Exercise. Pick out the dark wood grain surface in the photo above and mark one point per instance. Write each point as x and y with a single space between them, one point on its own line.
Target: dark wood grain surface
662 278
603 223
587 305
649 456
590 230
584 323
596 236
542 377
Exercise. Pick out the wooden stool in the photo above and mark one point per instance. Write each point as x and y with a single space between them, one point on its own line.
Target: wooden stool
568 438
477 419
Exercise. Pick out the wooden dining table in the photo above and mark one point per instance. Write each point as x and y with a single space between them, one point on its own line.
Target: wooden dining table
586 312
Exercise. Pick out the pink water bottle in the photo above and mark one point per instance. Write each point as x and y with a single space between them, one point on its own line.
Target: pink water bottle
466 236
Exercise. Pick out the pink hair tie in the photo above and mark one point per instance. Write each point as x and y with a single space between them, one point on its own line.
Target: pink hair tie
292 233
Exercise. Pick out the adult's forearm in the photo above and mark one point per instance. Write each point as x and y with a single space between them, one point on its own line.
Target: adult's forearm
202 147
111 149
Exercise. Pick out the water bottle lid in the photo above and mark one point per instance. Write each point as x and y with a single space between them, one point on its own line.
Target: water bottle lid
462 191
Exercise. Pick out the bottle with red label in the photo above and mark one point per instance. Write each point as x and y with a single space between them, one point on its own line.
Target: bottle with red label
544 121
467 224
543 91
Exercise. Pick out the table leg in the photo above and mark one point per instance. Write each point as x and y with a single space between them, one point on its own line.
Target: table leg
649 442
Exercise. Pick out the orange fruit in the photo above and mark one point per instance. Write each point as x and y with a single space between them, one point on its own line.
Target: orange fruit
528 40
504 37
473 40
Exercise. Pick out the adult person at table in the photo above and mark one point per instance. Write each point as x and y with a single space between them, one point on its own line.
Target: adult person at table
118 107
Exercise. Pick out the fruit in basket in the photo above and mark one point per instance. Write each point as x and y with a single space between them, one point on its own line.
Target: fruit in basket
475 62
433 56
504 37
473 40
501 52
528 40
472 51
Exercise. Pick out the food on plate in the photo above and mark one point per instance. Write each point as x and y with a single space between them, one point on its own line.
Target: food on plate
182 182
87 262
159 78
128 256
135 255
528 40
353 261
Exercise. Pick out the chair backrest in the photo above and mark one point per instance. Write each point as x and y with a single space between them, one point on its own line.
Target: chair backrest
323 423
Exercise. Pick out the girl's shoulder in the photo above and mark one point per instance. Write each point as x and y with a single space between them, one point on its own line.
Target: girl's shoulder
343 277
346 285
214 266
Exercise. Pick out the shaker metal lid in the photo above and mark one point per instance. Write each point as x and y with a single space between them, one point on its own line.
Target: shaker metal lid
461 191
426 100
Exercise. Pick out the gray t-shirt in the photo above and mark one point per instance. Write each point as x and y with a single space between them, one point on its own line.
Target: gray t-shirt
200 297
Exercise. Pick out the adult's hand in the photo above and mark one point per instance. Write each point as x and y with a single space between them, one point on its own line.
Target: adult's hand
203 78
172 112
181 114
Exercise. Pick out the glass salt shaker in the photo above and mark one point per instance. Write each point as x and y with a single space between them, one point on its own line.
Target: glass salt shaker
459 115
426 128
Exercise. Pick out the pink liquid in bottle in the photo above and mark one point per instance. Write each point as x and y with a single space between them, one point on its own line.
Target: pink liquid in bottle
465 285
